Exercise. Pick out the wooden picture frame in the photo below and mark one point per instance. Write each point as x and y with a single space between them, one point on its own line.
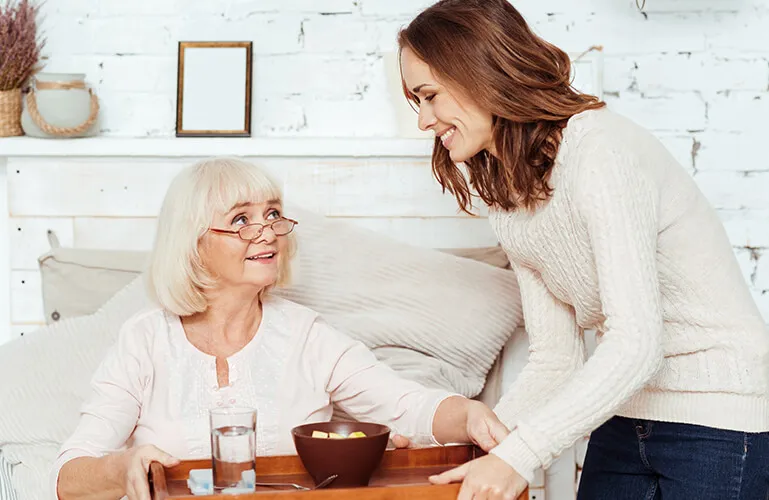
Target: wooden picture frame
213 89
587 71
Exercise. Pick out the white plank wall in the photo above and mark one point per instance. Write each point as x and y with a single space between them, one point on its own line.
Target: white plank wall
5 260
111 203
124 187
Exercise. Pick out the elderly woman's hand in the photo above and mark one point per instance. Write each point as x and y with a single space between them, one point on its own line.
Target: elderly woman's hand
136 463
462 420
484 427
400 441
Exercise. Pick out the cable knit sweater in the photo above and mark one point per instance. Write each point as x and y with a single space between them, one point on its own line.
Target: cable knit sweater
627 246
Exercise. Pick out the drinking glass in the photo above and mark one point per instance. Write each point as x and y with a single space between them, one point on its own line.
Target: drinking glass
233 445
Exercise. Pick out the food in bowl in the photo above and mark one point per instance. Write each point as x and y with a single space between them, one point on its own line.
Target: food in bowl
334 435
353 459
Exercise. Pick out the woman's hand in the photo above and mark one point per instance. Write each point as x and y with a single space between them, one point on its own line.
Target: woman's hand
483 426
485 478
462 420
400 441
474 422
136 464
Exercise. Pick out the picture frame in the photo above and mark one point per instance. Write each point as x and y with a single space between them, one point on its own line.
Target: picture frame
213 95
587 71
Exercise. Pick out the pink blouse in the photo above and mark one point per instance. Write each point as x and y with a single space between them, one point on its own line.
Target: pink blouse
155 387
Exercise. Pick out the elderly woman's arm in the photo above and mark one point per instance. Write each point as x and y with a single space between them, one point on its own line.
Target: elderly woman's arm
93 478
111 476
76 478
371 391
91 464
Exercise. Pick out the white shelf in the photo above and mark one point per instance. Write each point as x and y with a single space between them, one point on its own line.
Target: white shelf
215 146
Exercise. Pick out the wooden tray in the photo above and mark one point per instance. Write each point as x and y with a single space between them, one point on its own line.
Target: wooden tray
403 474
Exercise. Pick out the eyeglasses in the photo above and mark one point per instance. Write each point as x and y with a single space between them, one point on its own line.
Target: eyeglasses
250 232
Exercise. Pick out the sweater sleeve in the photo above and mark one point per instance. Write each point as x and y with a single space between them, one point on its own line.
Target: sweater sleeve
556 349
619 207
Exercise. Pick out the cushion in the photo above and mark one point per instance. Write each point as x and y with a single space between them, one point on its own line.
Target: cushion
78 281
392 295
493 256
436 317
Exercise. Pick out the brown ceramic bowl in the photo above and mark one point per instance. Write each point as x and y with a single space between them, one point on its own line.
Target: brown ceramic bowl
353 460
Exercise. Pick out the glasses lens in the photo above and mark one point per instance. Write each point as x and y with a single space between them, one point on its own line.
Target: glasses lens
282 227
251 232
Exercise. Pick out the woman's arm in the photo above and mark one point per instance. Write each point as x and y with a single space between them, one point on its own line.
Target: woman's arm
450 420
371 391
77 478
556 349
90 463
619 207
112 476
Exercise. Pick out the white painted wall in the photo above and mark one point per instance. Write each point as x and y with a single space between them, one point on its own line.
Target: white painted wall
5 258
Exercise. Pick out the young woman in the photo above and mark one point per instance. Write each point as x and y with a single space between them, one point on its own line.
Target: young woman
606 231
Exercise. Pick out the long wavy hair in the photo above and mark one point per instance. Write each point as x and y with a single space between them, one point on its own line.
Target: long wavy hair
486 49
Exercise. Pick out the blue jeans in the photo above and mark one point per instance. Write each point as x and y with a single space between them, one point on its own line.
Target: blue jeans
630 459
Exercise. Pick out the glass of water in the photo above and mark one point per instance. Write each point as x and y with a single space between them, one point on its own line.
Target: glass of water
233 445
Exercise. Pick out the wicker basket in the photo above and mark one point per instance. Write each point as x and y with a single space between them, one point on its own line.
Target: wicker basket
10 113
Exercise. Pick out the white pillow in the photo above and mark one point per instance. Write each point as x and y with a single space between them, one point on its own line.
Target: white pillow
386 293
456 312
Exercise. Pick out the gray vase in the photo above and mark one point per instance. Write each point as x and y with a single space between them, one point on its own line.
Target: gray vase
60 107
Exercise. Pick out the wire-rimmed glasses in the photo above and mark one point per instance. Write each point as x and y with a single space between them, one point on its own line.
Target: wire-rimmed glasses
250 232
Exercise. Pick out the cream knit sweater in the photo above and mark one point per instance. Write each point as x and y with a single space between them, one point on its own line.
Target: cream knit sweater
627 246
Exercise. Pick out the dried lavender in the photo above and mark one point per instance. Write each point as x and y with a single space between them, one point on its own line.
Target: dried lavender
20 45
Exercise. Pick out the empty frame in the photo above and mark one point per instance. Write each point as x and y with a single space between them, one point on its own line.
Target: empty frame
214 89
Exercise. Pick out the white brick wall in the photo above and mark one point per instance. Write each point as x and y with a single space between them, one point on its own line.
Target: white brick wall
693 71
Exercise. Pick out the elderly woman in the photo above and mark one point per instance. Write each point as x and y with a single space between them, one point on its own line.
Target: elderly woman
219 338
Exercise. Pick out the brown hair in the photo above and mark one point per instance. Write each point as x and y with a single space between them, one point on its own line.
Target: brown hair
486 49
